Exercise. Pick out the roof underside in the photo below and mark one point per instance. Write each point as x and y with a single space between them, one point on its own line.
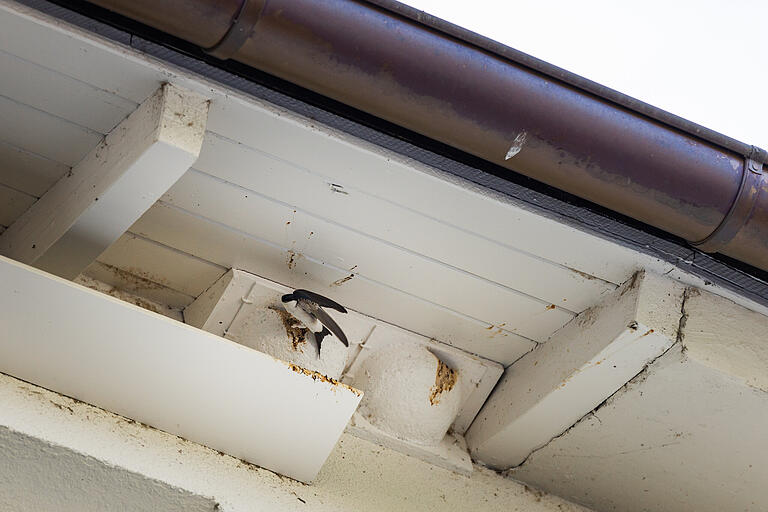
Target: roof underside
526 193
307 206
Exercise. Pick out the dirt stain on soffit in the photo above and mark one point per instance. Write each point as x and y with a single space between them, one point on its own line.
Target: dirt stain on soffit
343 280
136 279
292 258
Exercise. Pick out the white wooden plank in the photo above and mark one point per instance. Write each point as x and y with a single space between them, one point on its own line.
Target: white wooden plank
132 75
162 265
28 172
210 312
377 260
46 135
136 285
340 158
398 225
118 356
61 95
88 209
334 155
552 387
71 52
727 337
134 79
234 249
13 204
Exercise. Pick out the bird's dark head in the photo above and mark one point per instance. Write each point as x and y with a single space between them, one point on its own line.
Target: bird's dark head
287 297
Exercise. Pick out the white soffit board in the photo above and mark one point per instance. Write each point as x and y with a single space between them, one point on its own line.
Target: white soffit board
167 374
429 219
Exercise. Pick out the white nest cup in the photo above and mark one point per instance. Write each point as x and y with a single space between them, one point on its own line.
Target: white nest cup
409 393
275 332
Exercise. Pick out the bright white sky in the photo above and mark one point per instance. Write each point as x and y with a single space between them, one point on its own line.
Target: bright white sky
704 60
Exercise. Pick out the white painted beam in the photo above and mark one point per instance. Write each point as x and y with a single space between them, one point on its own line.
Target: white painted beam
582 364
168 375
727 337
90 207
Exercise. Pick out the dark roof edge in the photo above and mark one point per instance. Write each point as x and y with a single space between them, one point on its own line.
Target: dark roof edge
572 79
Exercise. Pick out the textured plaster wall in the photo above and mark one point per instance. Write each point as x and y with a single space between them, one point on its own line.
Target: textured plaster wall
687 434
37 476
359 476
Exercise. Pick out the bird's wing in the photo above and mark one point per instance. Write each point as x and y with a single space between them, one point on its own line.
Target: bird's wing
319 299
325 319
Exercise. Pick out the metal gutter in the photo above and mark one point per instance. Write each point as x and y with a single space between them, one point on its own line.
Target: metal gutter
476 95
503 106
545 68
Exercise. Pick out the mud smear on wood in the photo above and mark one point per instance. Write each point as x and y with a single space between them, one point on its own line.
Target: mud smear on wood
445 379
293 329
292 258
586 276
343 280
322 378
497 330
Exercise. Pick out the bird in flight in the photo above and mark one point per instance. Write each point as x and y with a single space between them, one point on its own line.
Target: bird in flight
307 308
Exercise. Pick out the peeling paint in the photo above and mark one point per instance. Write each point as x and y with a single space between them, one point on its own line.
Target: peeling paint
516 146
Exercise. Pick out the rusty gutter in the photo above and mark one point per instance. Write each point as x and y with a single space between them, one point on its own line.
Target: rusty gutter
505 107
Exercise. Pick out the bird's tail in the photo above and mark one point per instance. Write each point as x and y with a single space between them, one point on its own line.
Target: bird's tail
319 338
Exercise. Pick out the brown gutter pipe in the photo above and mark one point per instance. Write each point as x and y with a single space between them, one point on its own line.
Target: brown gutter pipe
455 87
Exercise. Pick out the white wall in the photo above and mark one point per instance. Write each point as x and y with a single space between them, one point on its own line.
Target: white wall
687 434
358 476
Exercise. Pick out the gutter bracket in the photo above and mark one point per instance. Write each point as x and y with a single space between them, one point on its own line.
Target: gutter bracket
239 31
741 209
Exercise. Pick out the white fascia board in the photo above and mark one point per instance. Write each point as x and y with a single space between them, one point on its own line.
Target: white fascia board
590 358
91 206
168 375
